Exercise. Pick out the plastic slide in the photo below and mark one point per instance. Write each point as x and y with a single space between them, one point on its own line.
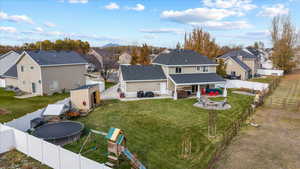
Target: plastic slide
135 162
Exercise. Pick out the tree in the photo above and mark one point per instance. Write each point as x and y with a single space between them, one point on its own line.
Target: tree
201 42
259 45
144 55
284 38
108 64
221 68
178 45
135 56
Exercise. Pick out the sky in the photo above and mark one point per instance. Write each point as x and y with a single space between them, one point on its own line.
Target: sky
134 22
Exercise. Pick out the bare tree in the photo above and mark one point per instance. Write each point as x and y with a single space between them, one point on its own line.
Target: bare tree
109 63
284 38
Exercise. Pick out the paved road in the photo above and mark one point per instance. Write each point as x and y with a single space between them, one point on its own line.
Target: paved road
274 145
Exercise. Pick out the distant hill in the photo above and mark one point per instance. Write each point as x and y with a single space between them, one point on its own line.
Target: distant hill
111 45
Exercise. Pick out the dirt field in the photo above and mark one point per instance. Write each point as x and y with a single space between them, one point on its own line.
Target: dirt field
273 145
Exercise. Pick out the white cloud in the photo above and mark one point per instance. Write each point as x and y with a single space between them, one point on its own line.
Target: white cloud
78 1
197 15
138 7
163 30
8 29
15 18
236 4
112 6
223 25
274 10
39 29
49 24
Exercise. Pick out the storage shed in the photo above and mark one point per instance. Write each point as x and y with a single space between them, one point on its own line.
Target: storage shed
85 97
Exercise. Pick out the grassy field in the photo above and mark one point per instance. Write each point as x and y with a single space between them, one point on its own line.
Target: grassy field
267 79
109 84
19 107
15 159
157 129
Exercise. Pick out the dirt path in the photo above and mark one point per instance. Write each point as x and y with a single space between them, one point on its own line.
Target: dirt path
274 145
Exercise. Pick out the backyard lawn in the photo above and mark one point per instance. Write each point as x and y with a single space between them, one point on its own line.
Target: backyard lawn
109 84
11 107
266 79
157 130
15 159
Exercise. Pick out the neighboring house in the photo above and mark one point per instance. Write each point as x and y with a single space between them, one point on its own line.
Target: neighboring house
170 72
47 72
241 63
125 59
8 72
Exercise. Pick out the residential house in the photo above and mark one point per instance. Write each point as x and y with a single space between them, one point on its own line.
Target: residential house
241 63
47 72
8 75
125 58
170 72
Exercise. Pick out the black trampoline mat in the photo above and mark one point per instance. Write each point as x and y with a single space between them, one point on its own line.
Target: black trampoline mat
58 130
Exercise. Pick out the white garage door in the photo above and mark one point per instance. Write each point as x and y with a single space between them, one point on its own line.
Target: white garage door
2 83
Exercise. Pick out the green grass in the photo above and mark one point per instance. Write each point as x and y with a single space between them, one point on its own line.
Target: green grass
267 79
109 84
20 107
16 159
156 129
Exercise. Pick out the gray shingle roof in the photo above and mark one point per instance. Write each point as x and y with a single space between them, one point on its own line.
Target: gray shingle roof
196 78
12 72
7 61
182 57
236 53
142 72
48 58
241 63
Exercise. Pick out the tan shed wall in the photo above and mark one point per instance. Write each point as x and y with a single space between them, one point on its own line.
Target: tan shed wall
233 66
29 76
11 81
144 86
78 97
57 78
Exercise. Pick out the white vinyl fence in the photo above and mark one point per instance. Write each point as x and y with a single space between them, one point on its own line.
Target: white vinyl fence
2 82
23 123
246 84
269 72
100 83
47 153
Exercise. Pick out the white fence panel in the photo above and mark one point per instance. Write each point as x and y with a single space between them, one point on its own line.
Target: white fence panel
21 141
51 155
69 159
90 164
246 84
101 84
7 140
269 72
35 148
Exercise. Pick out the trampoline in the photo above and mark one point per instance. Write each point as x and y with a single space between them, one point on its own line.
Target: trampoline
60 133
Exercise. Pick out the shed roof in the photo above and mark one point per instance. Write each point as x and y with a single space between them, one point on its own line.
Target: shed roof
182 57
142 72
196 78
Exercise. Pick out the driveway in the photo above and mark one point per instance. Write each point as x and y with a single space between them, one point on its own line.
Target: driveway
273 145
110 93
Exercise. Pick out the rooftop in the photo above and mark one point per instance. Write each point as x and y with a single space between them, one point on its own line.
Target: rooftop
142 72
196 78
182 57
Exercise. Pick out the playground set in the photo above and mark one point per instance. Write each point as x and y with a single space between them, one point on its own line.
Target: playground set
116 147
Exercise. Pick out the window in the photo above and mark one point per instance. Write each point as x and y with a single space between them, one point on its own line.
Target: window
22 68
178 70
40 81
205 68
31 67
202 68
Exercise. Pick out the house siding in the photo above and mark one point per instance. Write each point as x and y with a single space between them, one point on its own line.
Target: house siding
29 76
191 69
144 86
232 66
11 81
252 64
57 78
